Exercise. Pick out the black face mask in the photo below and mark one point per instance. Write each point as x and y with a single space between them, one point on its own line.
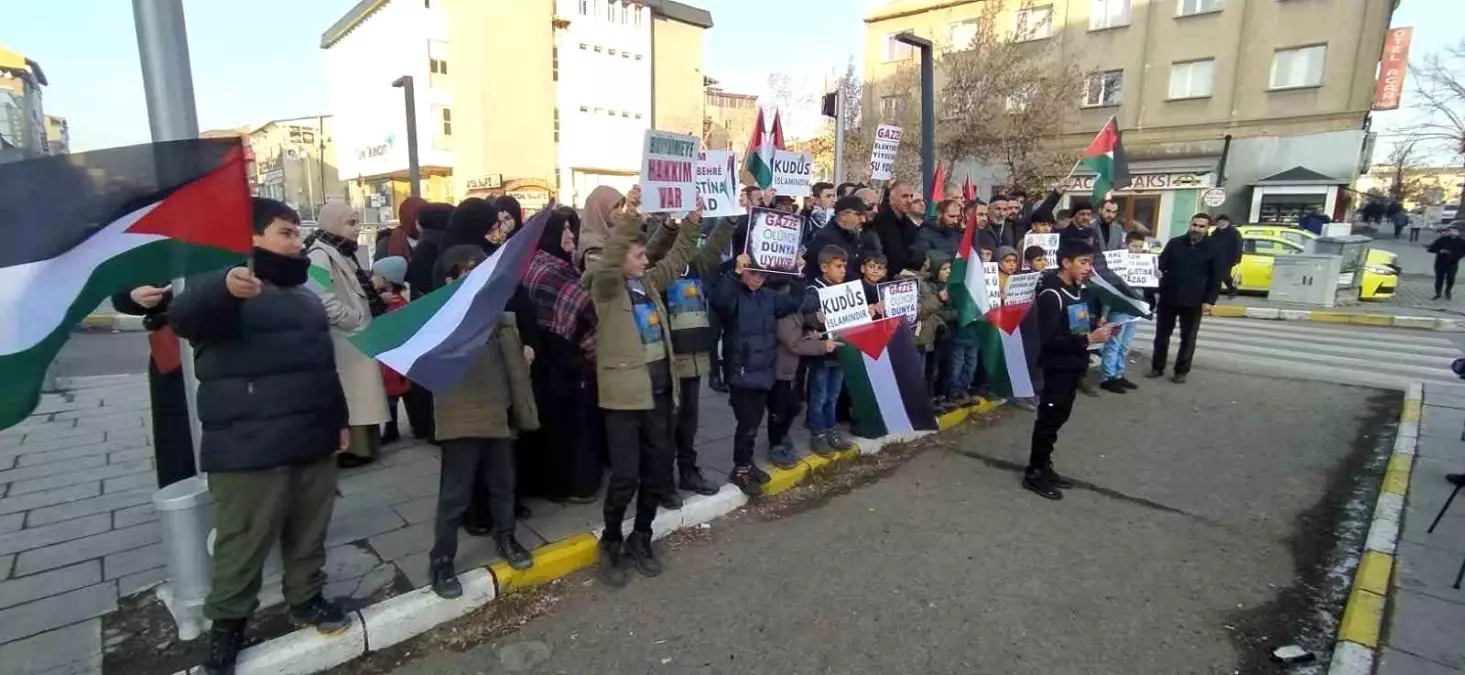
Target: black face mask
282 271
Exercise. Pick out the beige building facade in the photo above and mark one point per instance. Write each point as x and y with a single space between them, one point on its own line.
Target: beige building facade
729 118
1291 82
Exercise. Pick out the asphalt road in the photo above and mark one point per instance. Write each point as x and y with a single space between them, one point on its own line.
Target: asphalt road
90 353
1205 534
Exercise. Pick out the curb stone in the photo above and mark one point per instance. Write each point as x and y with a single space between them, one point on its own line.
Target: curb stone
1363 615
120 323
1442 324
405 616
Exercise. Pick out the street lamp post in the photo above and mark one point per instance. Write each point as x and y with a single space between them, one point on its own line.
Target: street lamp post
928 115
414 171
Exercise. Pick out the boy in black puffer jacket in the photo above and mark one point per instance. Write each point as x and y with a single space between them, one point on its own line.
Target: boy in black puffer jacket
750 313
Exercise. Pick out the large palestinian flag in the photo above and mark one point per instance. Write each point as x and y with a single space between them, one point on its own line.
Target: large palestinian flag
885 379
1105 157
998 328
79 228
434 339
1114 293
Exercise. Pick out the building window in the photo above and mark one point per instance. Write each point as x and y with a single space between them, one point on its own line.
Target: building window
1189 7
962 35
427 4
555 62
890 106
638 116
1104 89
895 50
626 55
1300 67
584 46
1191 80
584 7
636 15
1019 100
612 52
584 108
442 137
610 10
638 57
1034 23
556 125
1108 14
437 64
625 113
597 49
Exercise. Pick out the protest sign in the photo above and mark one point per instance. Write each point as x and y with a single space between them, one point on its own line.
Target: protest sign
1048 242
844 305
901 297
717 184
791 173
1118 261
668 173
773 241
882 154
1143 271
1021 288
994 286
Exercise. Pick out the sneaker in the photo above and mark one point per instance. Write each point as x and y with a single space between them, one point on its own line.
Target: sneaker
760 475
1155 374
1179 378
743 478
783 459
612 564
444 580
839 441
671 500
638 550
514 552
1456 479
693 481
1037 482
226 639
819 444
1124 382
323 614
1056 480
1113 386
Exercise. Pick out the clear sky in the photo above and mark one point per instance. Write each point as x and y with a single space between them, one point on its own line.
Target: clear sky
260 60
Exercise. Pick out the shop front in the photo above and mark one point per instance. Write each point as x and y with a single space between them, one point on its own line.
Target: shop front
1284 198
1162 201
532 194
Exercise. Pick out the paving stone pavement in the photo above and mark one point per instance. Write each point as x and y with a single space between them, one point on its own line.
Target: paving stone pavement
78 530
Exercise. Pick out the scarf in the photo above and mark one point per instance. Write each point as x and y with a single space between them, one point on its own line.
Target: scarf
282 271
399 243
562 305
347 248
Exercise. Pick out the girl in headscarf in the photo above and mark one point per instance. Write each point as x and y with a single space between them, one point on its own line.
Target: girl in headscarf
599 206
403 238
561 462
351 301
509 208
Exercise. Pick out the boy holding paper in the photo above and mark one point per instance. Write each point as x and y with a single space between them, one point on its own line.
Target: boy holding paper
1116 350
826 380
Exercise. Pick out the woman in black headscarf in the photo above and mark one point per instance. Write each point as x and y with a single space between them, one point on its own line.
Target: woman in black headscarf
432 223
562 461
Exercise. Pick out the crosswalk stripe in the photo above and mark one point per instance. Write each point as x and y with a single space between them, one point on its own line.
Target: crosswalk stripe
1421 355
1309 329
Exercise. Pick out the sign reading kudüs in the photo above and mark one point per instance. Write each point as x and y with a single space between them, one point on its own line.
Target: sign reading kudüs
773 241
844 305
882 154
668 172
791 173
717 184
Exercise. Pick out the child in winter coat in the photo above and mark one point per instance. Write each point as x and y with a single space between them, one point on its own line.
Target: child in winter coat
826 379
938 360
388 276
794 343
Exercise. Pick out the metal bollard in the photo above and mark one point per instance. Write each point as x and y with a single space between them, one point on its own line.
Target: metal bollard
186 514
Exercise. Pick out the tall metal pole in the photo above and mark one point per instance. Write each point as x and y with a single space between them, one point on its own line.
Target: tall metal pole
928 115
839 134
414 170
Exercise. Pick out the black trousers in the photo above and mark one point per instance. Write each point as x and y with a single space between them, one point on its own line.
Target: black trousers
686 429
466 463
1055 403
782 406
418 402
1189 318
1444 278
938 367
748 406
640 460
1228 283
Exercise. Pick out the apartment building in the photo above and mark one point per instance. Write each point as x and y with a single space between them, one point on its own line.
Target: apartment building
530 98
729 118
58 135
1291 82
22 114
294 161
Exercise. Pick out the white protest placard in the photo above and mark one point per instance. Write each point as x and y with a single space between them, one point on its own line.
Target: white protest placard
844 305
1118 261
993 282
773 241
901 297
882 154
792 172
668 173
1143 271
717 184
1021 288
1048 242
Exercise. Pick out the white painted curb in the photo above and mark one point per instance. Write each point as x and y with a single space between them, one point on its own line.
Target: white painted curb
303 652
397 619
1351 659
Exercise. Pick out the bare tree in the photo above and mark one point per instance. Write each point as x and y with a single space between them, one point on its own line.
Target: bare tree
1403 157
1440 86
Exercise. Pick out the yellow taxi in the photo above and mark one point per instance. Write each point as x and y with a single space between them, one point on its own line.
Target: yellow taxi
1376 256
1254 272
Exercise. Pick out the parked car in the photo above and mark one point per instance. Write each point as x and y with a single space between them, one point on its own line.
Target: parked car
1376 256
1449 213
1258 252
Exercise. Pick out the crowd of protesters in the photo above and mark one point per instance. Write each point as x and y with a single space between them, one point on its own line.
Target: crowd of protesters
593 378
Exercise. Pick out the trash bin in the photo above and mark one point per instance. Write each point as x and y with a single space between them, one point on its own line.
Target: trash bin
186 514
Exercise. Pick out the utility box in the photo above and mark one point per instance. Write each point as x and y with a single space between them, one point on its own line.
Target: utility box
1353 251
1307 279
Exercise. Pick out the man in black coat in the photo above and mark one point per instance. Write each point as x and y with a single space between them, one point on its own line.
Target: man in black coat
1191 267
847 232
894 227
273 416
1227 242
1448 249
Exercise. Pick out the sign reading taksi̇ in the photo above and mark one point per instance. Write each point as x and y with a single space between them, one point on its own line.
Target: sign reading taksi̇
492 181
1147 181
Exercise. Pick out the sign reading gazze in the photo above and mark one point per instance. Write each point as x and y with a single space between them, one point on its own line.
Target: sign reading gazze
882 154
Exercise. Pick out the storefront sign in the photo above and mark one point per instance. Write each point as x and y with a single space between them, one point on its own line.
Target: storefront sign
668 172
1141 182
882 154
1392 66
773 241
717 184
489 182
844 305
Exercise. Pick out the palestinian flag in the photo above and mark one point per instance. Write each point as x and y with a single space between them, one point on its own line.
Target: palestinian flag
998 328
885 379
79 228
758 158
319 280
434 339
1105 157
1113 292
969 189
